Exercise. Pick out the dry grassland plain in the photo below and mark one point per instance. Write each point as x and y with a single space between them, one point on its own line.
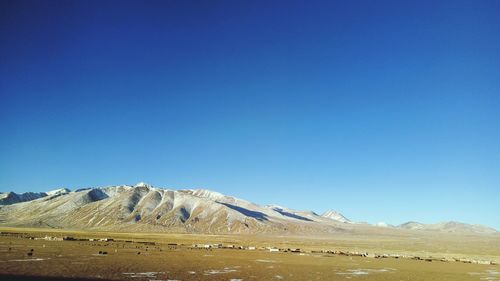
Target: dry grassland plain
148 256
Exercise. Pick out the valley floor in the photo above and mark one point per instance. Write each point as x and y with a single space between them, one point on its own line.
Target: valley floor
138 257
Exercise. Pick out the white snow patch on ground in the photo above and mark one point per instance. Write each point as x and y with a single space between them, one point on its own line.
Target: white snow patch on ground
34 259
359 271
489 275
220 271
353 272
272 261
151 274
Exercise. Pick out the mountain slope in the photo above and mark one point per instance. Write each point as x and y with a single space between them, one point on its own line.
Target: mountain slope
143 207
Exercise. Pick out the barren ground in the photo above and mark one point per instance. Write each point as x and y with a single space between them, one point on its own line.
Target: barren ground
81 259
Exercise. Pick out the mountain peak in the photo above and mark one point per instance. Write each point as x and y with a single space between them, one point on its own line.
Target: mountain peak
334 215
142 184
58 191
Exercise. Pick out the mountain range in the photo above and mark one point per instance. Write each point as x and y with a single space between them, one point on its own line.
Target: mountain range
142 207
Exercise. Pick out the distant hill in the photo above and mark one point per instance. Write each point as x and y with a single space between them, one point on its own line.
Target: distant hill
449 226
143 207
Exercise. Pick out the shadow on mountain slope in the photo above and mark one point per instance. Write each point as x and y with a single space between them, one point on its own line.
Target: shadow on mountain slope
290 215
254 214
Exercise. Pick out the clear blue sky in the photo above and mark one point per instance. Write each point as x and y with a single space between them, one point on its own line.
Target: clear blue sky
383 110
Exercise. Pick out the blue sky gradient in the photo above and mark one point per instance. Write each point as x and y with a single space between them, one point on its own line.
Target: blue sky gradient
383 110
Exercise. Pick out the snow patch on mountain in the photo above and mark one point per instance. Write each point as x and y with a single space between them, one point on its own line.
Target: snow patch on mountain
58 191
142 184
383 224
336 216
412 225
8 198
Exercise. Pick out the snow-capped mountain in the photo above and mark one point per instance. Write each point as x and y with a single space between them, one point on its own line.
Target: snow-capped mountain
142 207
334 215
58 192
9 198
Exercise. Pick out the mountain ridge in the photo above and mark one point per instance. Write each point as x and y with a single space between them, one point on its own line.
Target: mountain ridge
9 198
146 208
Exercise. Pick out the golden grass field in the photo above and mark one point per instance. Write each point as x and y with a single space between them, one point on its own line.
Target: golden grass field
81 259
